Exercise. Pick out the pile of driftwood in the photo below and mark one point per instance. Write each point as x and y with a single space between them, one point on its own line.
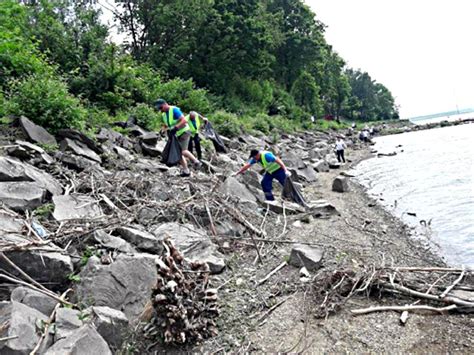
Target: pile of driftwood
183 308
432 289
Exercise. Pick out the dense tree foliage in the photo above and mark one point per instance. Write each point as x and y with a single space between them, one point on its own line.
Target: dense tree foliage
257 64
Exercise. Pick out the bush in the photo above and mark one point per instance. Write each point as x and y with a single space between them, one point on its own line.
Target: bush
226 124
183 94
146 117
46 101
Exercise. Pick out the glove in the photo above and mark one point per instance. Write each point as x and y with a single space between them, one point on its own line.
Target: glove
288 173
173 130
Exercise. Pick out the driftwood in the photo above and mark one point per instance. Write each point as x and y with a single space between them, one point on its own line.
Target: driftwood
331 290
182 308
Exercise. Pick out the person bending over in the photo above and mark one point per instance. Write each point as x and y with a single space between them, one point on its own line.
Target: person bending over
274 169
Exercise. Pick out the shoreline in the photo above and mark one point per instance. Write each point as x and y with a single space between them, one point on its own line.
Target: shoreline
347 240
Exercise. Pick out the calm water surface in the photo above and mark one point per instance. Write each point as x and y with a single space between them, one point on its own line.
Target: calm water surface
432 175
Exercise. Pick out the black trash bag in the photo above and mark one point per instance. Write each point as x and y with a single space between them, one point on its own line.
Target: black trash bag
293 193
171 155
210 133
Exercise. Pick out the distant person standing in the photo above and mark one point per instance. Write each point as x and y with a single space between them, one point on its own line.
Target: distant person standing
340 146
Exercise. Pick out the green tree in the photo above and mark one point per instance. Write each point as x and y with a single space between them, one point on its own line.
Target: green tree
305 90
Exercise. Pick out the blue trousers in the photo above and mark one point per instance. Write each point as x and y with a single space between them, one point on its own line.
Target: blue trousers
267 182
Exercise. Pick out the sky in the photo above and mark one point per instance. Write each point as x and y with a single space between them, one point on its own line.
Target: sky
421 50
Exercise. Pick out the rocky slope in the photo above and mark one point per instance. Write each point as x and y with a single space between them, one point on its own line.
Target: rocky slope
106 250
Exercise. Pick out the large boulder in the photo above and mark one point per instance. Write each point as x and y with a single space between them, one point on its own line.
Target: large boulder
150 150
35 133
321 166
340 184
284 207
308 174
233 187
45 265
149 138
194 243
75 206
75 162
142 240
85 340
307 256
9 224
13 170
125 284
110 323
34 299
67 321
29 151
21 196
110 242
19 322
79 137
79 148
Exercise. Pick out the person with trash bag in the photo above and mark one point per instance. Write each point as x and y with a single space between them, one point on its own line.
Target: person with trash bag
194 122
274 169
177 126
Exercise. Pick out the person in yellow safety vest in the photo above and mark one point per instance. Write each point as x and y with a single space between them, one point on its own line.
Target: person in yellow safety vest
274 169
194 122
175 123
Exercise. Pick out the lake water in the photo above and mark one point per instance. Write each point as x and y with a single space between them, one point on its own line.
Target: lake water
432 175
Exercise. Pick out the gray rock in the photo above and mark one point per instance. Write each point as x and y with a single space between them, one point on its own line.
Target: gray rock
321 207
9 224
123 153
340 184
308 174
290 207
80 149
34 299
150 165
194 243
141 239
13 170
85 340
19 320
35 133
137 131
21 196
125 284
233 187
150 150
75 162
293 160
45 266
111 242
75 206
149 138
307 256
67 321
29 151
111 324
229 229
114 138
321 166
79 137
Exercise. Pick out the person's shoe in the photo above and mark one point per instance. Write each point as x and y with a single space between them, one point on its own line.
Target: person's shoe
197 165
185 173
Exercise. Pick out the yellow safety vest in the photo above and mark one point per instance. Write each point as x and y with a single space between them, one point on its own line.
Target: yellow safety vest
197 121
170 121
269 167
